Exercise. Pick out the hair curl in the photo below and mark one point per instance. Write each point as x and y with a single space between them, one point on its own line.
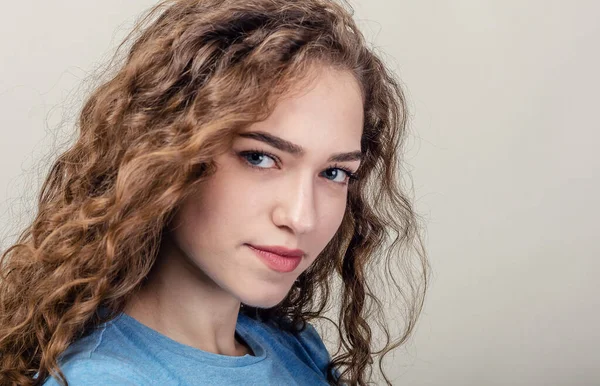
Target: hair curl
196 72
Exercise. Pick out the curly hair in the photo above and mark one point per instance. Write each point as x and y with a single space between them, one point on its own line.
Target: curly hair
194 73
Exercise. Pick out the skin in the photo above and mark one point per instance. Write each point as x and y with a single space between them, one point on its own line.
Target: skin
204 268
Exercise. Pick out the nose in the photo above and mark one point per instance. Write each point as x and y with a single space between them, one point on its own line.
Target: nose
295 208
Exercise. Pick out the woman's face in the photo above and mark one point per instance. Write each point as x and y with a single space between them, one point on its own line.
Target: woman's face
276 186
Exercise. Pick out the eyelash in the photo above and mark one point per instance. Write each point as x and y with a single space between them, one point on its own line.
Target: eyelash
351 176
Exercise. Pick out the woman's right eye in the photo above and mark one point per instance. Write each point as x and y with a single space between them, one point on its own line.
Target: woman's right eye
258 159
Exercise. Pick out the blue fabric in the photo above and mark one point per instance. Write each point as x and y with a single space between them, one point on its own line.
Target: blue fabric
124 351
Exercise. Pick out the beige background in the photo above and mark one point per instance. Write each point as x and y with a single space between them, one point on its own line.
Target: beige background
504 100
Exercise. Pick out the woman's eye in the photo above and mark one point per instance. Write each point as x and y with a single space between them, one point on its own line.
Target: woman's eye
259 160
334 175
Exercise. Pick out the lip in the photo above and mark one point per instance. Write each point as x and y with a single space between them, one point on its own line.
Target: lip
276 261
279 250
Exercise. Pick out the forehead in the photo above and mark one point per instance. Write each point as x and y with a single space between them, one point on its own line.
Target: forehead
326 113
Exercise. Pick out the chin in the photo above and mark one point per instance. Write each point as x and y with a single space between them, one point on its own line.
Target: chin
264 301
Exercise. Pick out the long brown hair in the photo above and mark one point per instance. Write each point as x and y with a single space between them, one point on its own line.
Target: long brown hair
194 72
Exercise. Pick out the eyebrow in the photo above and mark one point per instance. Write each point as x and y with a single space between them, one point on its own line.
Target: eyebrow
292 148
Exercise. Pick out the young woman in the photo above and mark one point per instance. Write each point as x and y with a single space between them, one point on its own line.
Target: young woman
235 176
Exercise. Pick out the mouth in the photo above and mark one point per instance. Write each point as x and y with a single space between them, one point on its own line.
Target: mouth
280 259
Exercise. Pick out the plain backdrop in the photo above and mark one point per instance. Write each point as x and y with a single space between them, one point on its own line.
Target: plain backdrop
505 128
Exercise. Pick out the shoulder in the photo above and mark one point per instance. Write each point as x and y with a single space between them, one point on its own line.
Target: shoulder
99 358
99 370
307 344
304 344
311 341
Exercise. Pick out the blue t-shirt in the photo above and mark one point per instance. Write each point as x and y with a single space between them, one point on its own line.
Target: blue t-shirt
124 351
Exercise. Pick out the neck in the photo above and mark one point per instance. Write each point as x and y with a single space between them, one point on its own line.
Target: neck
179 301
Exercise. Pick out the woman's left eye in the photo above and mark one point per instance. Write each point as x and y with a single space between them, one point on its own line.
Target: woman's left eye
334 174
257 159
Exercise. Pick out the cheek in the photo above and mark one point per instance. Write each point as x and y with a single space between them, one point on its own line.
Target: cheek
224 203
331 216
238 195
